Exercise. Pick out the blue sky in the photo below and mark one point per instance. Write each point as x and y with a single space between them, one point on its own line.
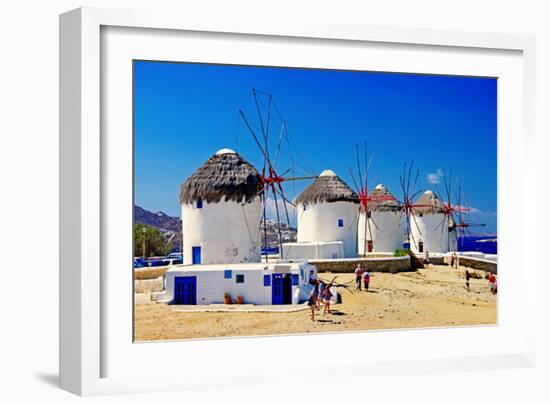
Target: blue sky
184 113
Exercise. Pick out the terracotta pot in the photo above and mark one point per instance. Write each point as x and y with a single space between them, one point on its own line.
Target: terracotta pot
240 299
227 300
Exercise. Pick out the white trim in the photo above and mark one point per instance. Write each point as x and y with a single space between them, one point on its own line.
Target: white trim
82 299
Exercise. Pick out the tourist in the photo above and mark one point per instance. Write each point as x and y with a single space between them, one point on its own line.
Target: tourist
427 260
468 276
312 277
366 280
358 275
493 283
327 295
320 294
456 261
312 302
316 292
452 261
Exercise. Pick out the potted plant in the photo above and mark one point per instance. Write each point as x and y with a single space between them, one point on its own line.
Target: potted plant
240 299
226 298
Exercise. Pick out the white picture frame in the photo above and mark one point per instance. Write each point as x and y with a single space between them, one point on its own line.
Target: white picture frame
87 322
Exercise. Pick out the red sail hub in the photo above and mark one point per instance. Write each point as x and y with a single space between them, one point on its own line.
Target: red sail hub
272 180
449 209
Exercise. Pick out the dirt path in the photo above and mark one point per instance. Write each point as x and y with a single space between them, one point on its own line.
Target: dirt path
426 298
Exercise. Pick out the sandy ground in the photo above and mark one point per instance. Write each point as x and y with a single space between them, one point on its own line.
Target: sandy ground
427 298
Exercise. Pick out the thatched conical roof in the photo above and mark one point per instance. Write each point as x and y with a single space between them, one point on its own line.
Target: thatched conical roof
327 188
429 203
383 205
226 175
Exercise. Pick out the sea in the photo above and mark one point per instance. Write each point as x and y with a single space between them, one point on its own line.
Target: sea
481 243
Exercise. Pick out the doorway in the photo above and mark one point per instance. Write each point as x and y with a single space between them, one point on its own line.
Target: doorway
196 254
281 289
185 291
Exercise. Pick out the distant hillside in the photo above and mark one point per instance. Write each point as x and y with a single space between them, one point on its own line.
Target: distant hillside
169 226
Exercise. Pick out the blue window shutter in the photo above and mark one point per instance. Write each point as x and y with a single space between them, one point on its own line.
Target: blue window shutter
340 222
295 279
227 274
199 204
267 280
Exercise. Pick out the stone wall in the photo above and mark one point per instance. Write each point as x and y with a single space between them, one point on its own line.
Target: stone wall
438 260
478 264
417 260
149 285
382 265
150 273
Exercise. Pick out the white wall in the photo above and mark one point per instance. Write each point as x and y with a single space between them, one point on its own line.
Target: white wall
313 250
227 232
430 232
453 241
211 284
319 222
387 234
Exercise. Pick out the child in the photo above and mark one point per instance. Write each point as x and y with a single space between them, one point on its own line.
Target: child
366 280
326 299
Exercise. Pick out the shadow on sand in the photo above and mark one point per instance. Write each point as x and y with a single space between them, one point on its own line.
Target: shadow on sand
337 313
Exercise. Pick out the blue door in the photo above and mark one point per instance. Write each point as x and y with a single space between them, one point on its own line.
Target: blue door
196 253
281 289
277 289
185 291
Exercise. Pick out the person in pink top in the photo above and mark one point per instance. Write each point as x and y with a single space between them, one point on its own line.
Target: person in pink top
493 283
358 274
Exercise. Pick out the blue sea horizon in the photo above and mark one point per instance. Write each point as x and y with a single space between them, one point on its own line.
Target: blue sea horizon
479 243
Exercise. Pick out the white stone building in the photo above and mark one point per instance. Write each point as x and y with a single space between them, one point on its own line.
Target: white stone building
380 229
256 283
326 212
432 230
313 250
221 211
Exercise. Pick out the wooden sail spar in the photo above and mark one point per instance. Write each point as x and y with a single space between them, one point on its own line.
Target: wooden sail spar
272 182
